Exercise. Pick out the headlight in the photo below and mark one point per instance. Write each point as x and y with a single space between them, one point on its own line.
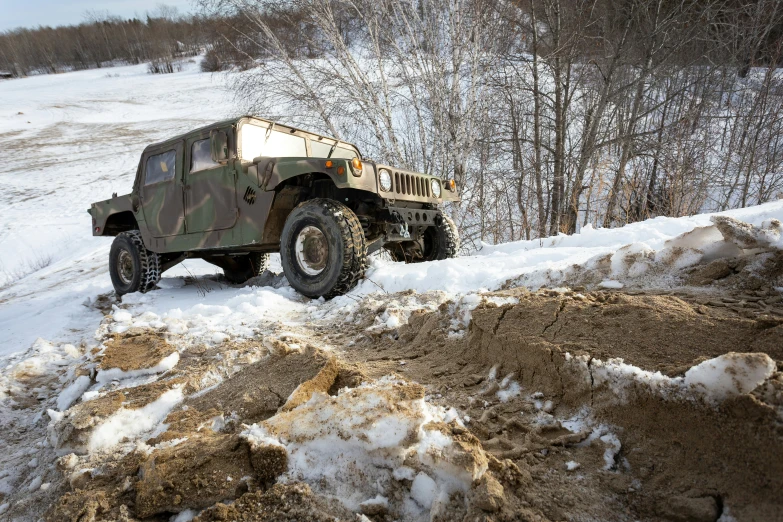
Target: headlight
384 176
435 188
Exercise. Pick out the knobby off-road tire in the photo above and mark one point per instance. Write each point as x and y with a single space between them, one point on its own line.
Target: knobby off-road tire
323 249
246 267
440 241
132 267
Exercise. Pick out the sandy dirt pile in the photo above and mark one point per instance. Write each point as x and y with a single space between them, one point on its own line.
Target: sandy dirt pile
616 403
556 405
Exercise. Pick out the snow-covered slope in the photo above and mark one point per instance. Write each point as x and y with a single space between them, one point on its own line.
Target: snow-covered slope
74 138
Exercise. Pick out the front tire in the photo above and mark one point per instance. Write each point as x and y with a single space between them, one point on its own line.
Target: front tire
132 267
323 249
438 242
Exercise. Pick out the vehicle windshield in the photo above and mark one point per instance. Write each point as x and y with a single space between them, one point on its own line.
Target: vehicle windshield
257 140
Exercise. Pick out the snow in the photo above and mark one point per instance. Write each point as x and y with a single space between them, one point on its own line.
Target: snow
72 393
424 490
35 484
375 502
377 429
712 381
730 375
571 465
258 436
184 516
129 424
613 447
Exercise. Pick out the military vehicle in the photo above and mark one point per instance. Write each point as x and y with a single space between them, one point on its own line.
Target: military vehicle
232 192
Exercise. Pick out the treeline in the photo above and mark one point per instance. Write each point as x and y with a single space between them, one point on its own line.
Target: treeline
101 41
161 38
550 114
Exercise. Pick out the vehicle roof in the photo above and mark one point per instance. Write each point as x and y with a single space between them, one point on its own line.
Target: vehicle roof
235 121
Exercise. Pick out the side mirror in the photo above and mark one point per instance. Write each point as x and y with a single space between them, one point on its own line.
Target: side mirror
220 150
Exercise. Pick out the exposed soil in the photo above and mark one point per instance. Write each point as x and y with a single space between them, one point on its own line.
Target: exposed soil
679 460
135 352
635 456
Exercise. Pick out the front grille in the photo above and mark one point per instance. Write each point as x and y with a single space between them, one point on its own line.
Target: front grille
411 185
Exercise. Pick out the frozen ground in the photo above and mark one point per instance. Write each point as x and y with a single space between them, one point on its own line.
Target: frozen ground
75 138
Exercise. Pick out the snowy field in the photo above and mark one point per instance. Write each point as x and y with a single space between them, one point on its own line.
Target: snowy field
70 139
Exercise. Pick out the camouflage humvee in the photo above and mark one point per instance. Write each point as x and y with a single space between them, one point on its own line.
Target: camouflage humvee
232 192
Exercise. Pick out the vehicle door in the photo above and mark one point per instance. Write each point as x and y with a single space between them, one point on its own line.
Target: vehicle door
161 191
210 189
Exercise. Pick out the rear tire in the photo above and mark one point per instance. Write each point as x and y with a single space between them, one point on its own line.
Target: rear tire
323 249
132 267
246 267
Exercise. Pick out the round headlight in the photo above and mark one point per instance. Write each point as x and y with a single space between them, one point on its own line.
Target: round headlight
435 188
384 176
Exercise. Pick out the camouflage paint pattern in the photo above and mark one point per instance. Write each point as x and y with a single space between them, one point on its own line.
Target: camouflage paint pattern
237 204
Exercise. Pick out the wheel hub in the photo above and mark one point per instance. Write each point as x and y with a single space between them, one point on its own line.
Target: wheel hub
312 250
125 267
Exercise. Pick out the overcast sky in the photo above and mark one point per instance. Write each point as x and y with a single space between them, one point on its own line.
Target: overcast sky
32 13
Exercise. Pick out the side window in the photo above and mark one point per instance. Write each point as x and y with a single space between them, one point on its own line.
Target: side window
161 167
201 156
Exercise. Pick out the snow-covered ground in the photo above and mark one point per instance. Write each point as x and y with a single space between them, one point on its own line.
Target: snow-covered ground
75 138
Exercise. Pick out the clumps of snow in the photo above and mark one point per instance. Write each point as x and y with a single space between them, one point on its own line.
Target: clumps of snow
572 465
72 393
184 516
116 374
749 237
424 490
610 284
42 360
121 316
377 504
35 484
509 388
726 515
711 381
376 439
613 448
505 390
730 375
125 424
257 435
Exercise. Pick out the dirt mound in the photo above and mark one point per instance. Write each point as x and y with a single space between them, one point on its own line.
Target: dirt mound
259 389
542 385
555 405
135 352
281 503
193 473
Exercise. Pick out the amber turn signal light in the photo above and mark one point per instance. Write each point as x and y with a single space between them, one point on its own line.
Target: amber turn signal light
357 164
451 185
341 170
329 164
